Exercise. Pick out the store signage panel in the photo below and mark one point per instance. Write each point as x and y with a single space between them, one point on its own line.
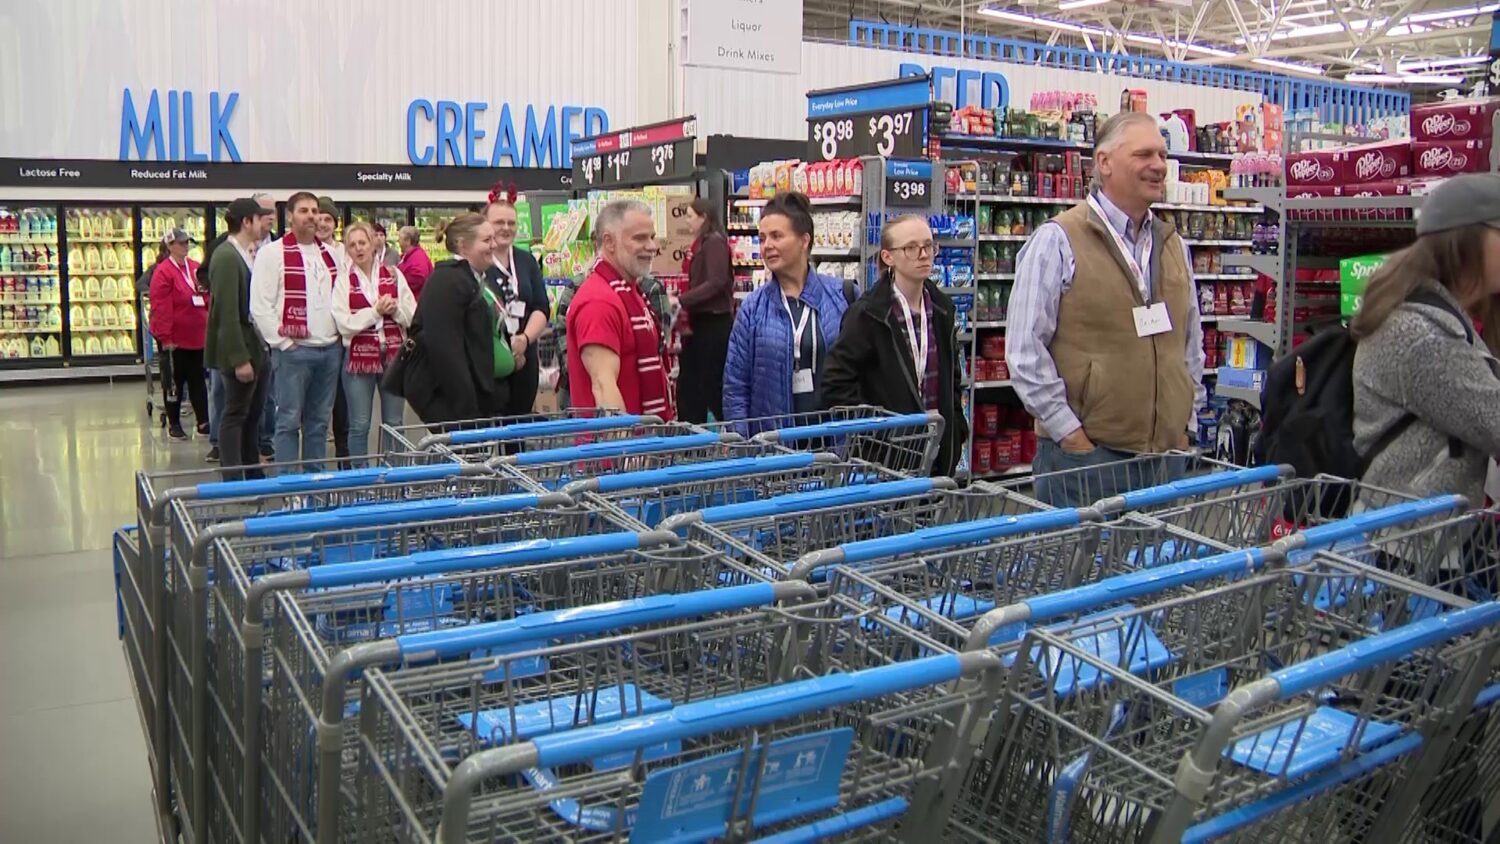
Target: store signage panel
756 35
165 127
84 173
888 119
472 134
661 152
908 183
958 85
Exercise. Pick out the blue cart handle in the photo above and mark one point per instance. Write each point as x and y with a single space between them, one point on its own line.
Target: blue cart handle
325 481
548 428
706 471
745 709
391 513
592 620
958 534
616 448
844 427
1370 520
1382 648
1123 587
817 499
504 555
1200 485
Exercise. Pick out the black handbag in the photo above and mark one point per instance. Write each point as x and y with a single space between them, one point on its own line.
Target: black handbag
393 381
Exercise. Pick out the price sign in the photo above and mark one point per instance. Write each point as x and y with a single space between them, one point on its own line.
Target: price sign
908 183
663 152
888 119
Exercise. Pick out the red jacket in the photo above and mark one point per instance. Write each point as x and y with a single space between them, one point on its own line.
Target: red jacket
416 266
177 318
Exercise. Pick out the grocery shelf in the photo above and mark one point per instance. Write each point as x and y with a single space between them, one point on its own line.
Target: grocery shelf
1004 238
1224 276
1212 371
1191 242
992 385
31 330
1012 142
1020 470
1011 199
995 276
745 202
1213 209
833 252
121 239
1251 396
1264 332
958 291
1206 158
984 324
1266 264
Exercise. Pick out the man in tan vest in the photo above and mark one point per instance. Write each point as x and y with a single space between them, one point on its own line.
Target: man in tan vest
1105 343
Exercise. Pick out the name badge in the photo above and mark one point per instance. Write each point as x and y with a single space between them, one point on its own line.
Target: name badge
516 308
512 325
1151 320
199 301
802 381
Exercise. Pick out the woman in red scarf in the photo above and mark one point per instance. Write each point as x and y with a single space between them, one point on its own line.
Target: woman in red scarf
709 303
373 307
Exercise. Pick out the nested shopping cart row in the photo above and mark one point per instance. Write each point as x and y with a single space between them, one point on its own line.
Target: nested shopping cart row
284 623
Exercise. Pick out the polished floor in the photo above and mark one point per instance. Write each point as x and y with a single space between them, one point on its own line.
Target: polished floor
72 759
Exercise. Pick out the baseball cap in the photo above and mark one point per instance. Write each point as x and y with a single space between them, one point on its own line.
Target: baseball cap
176 234
326 206
244 208
1461 201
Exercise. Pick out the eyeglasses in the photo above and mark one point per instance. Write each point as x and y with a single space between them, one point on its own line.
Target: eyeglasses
913 251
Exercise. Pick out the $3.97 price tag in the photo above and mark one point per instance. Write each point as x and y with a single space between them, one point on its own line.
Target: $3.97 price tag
885 135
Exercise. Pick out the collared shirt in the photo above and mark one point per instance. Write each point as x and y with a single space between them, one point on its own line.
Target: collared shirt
930 375
1044 272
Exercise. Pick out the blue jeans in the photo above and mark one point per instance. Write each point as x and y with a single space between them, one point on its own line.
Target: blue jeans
215 406
306 377
1066 479
359 394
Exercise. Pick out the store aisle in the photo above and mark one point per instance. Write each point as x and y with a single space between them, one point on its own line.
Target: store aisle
72 758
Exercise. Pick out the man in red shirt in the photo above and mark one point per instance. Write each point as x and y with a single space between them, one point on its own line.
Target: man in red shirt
613 337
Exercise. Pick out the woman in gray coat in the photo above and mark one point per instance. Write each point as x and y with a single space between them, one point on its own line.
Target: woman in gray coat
1426 383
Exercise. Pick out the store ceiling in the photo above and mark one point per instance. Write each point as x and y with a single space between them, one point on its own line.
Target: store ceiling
1328 38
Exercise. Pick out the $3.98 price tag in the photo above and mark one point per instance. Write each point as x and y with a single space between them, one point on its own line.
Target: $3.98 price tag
908 183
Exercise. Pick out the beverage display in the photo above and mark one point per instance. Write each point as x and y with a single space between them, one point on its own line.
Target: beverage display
102 272
30 301
391 217
427 222
156 222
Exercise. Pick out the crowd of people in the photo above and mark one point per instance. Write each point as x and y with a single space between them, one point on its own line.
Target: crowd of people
300 332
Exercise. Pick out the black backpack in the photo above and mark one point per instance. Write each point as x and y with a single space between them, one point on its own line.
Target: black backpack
1311 428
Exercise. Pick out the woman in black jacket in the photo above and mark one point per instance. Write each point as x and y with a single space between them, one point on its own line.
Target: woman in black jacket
709 303
897 348
461 358
518 279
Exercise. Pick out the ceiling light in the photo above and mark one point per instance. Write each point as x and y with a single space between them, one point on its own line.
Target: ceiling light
1434 63
1067 5
1403 79
1049 23
1312 70
1363 24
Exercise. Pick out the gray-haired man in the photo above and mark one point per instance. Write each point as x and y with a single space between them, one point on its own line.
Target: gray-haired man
614 339
1105 344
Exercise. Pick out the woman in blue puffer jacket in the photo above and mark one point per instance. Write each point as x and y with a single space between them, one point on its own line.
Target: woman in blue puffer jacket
783 330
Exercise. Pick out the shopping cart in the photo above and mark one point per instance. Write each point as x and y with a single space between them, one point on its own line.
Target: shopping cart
479 440
555 468
1098 722
828 757
653 495
902 442
1093 483
319 620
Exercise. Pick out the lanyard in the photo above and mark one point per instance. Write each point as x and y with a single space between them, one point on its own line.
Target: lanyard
797 329
187 279
918 347
1135 268
506 276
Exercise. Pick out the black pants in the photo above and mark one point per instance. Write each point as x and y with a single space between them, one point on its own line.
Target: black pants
239 433
522 385
700 380
186 373
340 422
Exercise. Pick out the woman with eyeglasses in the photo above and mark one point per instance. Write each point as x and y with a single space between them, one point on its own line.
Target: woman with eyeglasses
783 330
515 284
897 349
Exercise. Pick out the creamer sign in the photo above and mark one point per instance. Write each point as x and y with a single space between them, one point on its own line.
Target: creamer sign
1309 170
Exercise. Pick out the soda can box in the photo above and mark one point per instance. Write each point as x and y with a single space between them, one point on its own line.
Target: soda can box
1315 168
1349 304
1354 274
1456 121
1450 158
1378 162
1311 192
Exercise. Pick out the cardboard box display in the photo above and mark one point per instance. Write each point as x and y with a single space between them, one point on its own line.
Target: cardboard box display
1377 162
1354 275
1450 158
1247 353
1455 121
1243 379
1315 168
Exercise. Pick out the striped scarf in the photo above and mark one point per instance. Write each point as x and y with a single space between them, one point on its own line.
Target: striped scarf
371 350
648 363
294 296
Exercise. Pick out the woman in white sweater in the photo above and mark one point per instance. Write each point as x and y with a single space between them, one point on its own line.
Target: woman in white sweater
373 307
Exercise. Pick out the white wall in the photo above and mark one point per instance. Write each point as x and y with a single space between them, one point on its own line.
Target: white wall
770 106
318 81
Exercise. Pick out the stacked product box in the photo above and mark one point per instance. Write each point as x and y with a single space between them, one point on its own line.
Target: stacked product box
1354 274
